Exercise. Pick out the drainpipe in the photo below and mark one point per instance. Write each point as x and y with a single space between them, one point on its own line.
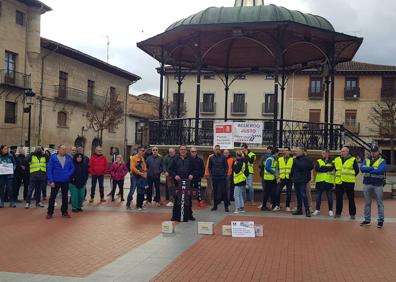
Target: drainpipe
41 94
126 119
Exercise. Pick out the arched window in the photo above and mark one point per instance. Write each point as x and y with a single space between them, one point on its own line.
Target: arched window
62 119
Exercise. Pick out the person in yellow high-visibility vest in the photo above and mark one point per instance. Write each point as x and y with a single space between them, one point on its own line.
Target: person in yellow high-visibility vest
240 173
285 163
270 180
324 181
250 158
346 170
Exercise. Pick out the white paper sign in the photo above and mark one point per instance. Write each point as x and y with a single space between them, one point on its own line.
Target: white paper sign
6 169
223 135
243 229
248 132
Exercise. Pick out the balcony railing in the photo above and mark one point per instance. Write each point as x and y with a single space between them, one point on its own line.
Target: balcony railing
351 93
314 94
267 109
239 109
173 108
352 126
76 96
207 108
388 92
14 79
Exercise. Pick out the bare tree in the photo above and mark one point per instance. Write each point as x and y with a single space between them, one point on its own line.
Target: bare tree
169 110
105 114
383 116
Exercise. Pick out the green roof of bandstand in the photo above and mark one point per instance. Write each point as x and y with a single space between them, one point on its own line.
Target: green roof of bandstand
256 14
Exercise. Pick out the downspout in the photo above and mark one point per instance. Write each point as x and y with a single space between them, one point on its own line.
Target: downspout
126 119
41 94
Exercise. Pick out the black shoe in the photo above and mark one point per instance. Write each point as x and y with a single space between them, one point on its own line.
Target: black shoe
353 217
74 210
80 210
297 212
380 225
337 216
214 209
226 209
308 213
112 199
192 218
264 208
365 223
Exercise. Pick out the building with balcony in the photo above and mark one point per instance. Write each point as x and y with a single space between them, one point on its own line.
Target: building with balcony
67 82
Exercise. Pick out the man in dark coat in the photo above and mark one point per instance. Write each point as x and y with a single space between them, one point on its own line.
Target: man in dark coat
199 171
21 175
218 168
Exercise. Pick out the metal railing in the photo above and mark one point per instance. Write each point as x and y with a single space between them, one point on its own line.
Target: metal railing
208 108
292 133
352 126
76 96
239 109
315 94
15 79
351 93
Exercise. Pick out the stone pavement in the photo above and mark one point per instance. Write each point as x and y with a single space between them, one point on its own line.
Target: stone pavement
108 243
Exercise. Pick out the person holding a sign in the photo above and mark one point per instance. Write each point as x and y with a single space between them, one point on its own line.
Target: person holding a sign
241 172
218 168
250 158
7 168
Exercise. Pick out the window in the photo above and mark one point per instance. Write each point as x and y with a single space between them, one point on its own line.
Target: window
63 80
208 103
351 83
62 119
10 66
269 104
20 18
350 117
10 112
209 77
239 103
315 87
90 91
314 117
388 87
175 101
113 95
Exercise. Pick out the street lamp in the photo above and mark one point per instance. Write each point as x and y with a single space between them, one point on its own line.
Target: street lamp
29 94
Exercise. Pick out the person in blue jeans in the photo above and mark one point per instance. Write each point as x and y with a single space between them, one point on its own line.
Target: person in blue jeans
250 159
301 175
240 172
374 169
59 171
139 175
6 180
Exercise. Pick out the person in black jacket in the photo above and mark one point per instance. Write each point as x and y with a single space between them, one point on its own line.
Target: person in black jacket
199 171
218 168
78 182
21 175
301 174
182 168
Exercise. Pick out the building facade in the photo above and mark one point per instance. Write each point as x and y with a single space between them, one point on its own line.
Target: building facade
67 83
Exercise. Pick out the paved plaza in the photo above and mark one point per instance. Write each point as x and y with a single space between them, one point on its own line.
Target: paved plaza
108 243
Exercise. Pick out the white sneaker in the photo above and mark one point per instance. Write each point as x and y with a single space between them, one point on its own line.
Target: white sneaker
294 209
276 208
260 206
331 213
169 205
236 211
242 210
316 212
27 206
288 209
139 209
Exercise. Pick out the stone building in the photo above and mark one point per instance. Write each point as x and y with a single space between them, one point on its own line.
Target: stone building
66 82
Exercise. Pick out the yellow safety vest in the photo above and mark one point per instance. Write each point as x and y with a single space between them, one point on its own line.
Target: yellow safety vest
285 167
38 165
240 176
328 177
344 171
375 166
267 174
251 165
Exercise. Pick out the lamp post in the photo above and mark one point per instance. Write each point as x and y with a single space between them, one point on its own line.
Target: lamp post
29 94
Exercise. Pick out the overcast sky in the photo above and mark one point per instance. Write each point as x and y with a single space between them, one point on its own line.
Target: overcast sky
84 24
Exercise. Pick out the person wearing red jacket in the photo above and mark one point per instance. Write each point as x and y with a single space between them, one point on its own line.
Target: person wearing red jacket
118 171
97 169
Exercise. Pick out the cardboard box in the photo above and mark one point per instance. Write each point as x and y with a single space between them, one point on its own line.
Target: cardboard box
259 230
227 230
168 227
205 228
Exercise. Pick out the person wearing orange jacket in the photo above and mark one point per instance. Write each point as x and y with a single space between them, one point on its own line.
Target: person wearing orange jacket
97 169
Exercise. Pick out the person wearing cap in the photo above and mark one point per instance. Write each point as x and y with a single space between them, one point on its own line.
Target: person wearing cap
374 168
285 165
250 158
346 170
270 181
324 181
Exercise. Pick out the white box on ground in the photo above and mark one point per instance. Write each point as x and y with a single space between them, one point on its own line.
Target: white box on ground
205 228
168 227
259 230
243 229
227 230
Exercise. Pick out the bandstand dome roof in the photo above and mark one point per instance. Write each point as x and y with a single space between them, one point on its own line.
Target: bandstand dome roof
252 14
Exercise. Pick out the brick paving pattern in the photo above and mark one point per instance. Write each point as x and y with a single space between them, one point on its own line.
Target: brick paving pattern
71 247
291 250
